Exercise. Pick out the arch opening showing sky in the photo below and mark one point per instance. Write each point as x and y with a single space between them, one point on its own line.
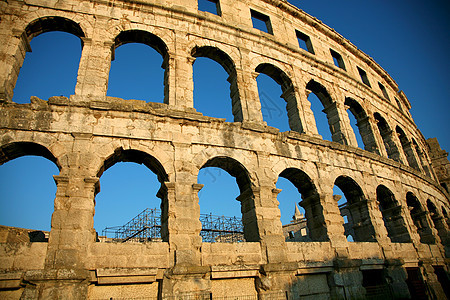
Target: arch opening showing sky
412 46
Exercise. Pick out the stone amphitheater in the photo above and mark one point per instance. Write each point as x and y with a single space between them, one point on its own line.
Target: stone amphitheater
396 189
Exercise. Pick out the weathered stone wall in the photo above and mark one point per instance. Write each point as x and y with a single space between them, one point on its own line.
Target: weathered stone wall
89 132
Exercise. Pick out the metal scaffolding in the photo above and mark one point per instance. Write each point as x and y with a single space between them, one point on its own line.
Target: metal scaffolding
146 226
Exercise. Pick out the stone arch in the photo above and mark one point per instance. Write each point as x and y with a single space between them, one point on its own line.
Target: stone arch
140 157
246 197
407 148
34 28
356 209
222 58
18 149
288 93
438 221
310 202
392 216
53 23
386 134
330 109
419 217
151 40
363 123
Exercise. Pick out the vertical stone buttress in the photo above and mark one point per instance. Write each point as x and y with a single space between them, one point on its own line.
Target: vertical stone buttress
12 50
95 63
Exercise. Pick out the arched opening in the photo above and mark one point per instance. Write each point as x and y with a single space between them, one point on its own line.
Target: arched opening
438 221
419 217
137 71
422 158
392 216
308 223
27 192
51 69
354 207
121 213
322 105
211 89
386 135
271 109
228 65
220 212
407 148
361 125
246 198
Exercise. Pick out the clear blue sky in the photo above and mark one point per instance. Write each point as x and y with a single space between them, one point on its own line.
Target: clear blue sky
409 39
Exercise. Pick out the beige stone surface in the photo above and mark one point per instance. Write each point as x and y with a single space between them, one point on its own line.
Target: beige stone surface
395 187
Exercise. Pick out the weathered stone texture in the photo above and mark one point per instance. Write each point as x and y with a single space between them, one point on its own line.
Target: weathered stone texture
397 209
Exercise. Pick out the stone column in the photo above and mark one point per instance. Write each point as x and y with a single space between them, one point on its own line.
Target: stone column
93 72
268 213
178 80
411 156
183 210
367 129
397 275
396 144
346 280
13 48
290 95
379 139
435 288
307 115
245 88
269 224
338 126
333 220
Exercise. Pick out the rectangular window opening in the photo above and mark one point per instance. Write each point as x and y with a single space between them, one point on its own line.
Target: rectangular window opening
364 77
261 21
383 90
211 6
304 42
337 59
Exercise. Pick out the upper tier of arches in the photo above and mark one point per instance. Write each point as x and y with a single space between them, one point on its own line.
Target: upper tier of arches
179 49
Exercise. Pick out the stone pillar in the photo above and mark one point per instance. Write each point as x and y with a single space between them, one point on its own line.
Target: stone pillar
268 214
307 115
396 278
93 72
396 144
12 50
338 126
72 222
178 80
334 224
379 139
376 217
346 280
183 210
290 95
434 286
245 97
366 129
392 146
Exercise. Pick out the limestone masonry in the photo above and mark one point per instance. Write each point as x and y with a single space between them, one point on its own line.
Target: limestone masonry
396 189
